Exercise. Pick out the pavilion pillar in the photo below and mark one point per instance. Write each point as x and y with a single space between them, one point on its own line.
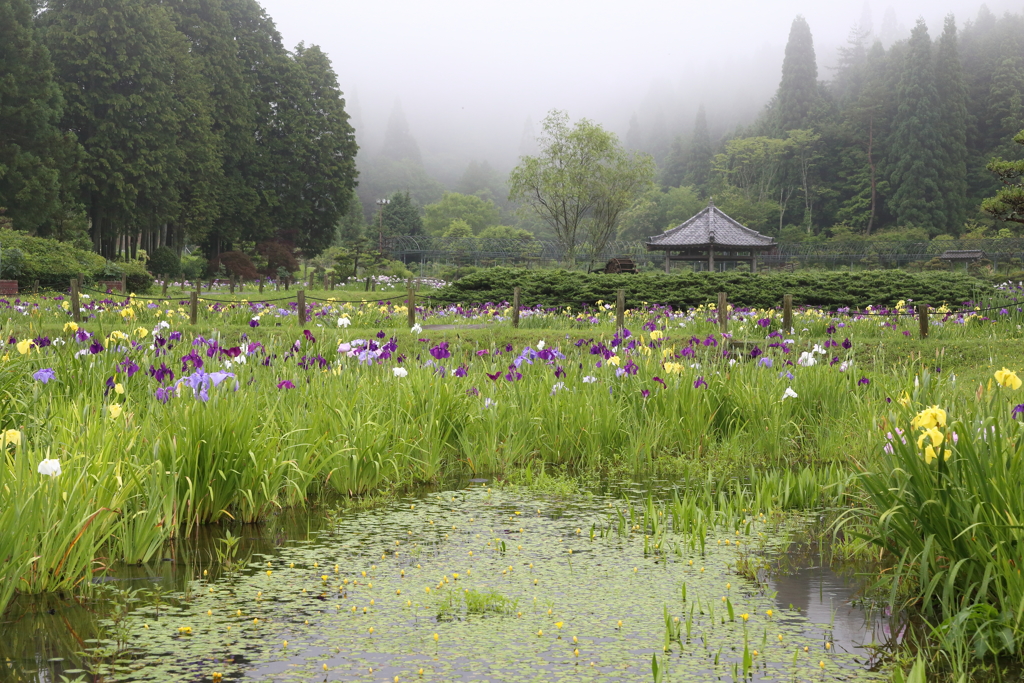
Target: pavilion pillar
667 262
753 262
711 259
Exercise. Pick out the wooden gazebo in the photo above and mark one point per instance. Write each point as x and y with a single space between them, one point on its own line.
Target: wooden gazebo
709 235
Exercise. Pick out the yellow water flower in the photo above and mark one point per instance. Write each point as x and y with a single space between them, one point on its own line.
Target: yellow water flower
673 368
1006 378
656 335
141 332
11 437
929 417
934 435
119 389
114 409
24 346
904 400
614 360
71 327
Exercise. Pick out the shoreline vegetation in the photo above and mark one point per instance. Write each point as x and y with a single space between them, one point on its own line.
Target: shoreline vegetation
134 427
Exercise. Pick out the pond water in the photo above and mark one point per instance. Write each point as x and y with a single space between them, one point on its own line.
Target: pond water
464 585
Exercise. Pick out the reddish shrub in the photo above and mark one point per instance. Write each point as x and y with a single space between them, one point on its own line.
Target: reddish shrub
278 254
237 263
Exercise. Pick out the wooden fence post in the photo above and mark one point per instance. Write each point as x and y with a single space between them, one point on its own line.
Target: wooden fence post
194 308
35 286
787 313
515 306
620 309
163 291
301 295
199 287
231 284
922 315
412 305
76 310
723 312
261 284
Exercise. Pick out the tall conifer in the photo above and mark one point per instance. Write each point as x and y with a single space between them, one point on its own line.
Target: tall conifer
698 170
798 91
952 128
34 155
916 199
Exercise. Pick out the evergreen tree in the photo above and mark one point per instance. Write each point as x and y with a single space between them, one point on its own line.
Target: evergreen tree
951 129
916 198
398 217
232 111
702 154
34 155
798 92
634 139
115 60
399 144
673 171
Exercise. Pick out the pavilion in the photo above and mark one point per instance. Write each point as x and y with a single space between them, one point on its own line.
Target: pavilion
709 235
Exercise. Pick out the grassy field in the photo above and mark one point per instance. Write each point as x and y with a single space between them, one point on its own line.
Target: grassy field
135 426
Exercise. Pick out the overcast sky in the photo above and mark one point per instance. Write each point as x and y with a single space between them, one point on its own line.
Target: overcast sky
470 73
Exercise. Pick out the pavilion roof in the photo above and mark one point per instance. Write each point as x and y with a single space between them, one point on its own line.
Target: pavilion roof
709 227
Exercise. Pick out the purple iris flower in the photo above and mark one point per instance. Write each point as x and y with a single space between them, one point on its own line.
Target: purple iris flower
699 382
381 335
863 381
710 341
41 342
482 352
312 340
559 372
441 351
1017 410
286 384
174 336
846 343
831 329
765 362
645 392
461 371
755 352
95 348
81 336
658 380
163 394
44 375
764 322
472 391
128 366
254 322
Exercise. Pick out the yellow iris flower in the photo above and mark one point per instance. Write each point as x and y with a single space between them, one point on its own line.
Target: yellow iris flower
929 417
1008 378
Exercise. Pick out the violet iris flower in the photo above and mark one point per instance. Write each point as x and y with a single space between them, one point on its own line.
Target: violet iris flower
44 375
699 382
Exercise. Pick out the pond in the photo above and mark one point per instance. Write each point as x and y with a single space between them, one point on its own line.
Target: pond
471 584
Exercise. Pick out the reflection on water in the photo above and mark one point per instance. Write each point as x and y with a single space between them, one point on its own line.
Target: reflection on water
833 602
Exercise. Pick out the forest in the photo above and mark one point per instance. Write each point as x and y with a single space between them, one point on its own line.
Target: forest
130 126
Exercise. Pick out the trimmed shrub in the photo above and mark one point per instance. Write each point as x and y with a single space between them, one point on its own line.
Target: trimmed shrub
51 262
857 290
193 267
165 261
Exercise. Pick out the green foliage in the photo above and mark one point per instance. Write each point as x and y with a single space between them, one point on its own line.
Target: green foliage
476 212
165 261
916 198
398 217
550 288
951 130
193 266
1008 204
656 211
580 183
51 262
35 156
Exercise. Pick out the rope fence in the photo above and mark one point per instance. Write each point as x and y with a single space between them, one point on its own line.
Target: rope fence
920 310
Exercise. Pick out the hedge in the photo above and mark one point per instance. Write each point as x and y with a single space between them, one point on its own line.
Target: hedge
762 290
55 264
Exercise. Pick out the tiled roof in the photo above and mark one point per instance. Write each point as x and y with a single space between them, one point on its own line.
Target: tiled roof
965 254
710 226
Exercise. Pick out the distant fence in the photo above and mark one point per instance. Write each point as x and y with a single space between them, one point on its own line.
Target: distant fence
875 253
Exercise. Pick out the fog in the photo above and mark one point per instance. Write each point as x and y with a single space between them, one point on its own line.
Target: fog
470 76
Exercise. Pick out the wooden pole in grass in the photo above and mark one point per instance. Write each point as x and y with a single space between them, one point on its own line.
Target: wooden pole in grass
193 314
723 312
301 295
787 313
163 290
515 306
620 309
231 284
412 305
35 286
922 316
261 284
76 310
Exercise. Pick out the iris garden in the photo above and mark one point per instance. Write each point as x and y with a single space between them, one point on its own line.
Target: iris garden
131 433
